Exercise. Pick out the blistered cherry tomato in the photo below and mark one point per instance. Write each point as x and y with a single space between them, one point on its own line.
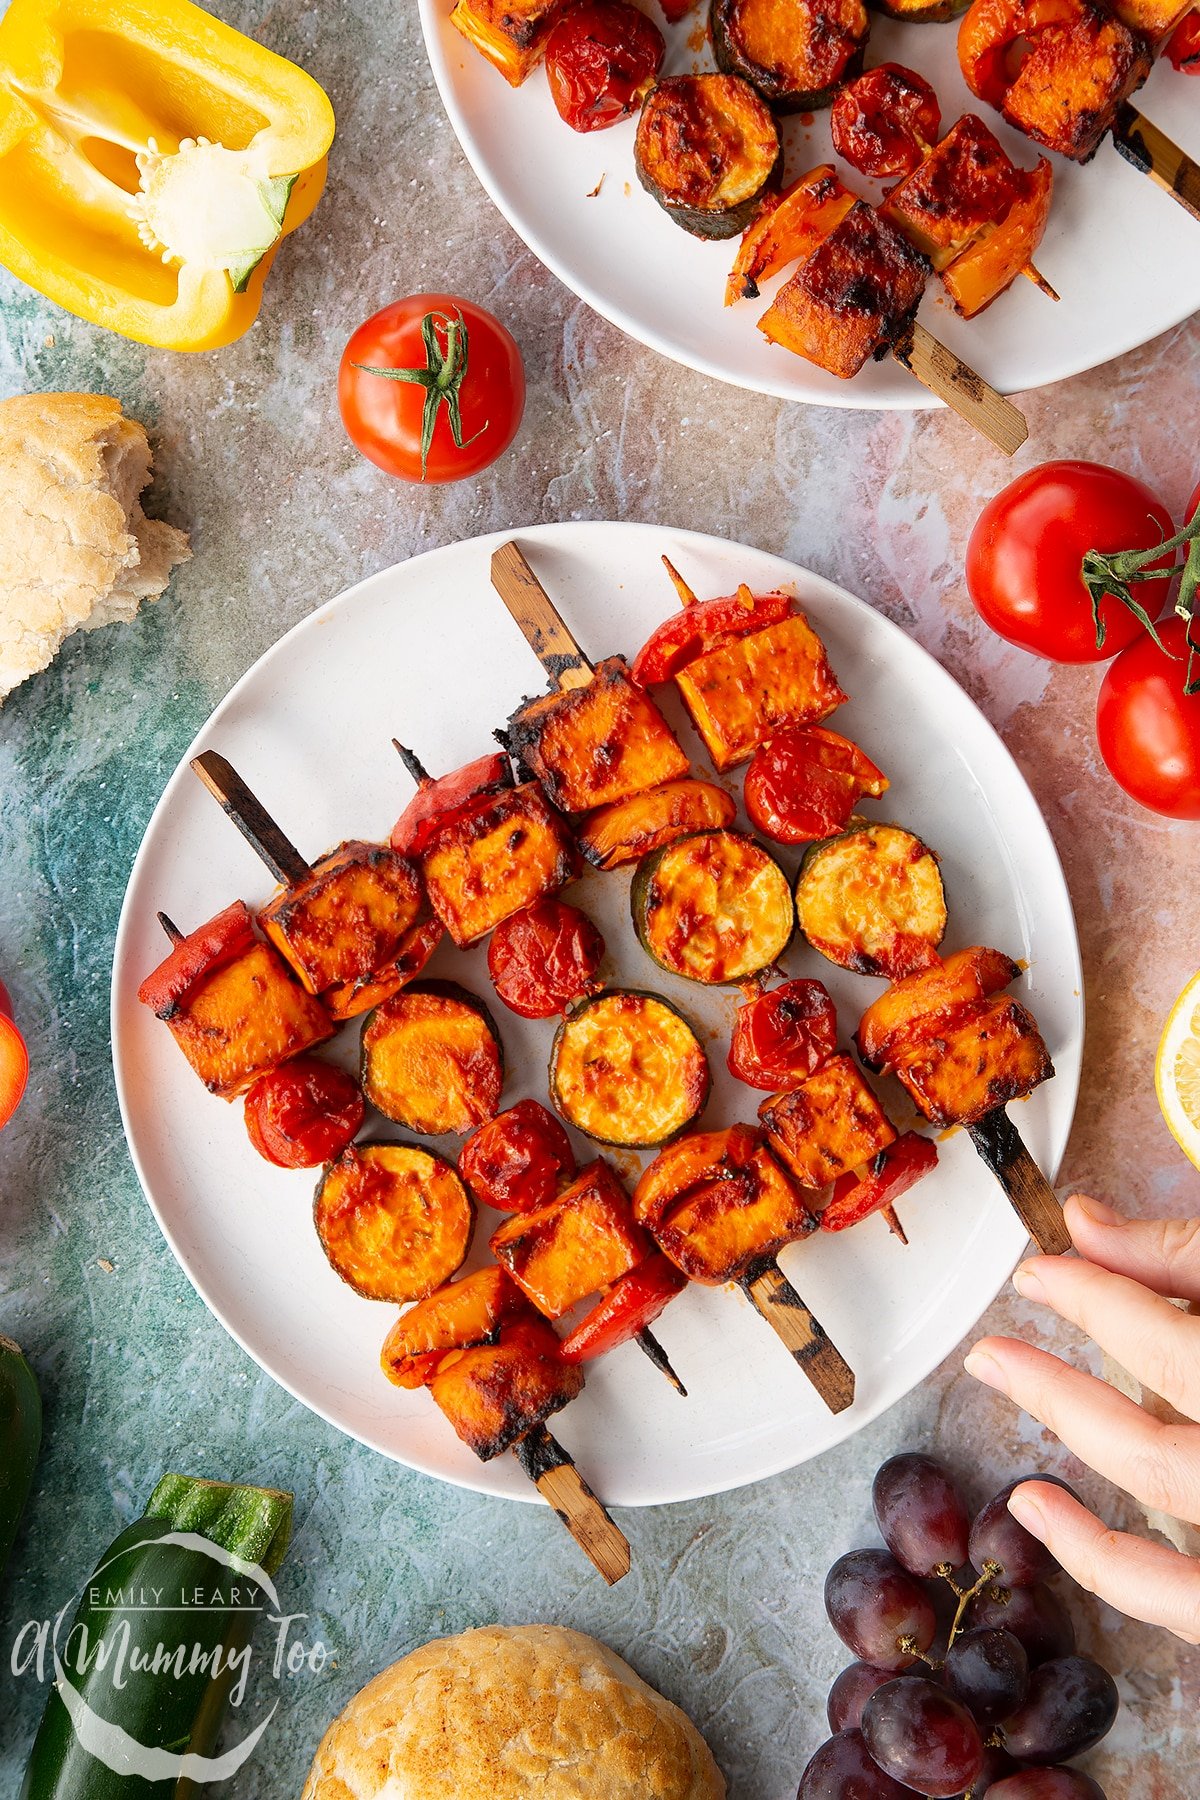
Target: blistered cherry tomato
543 958
630 1305
803 784
780 1037
601 59
1183 49
518 1160
886 121
303 1113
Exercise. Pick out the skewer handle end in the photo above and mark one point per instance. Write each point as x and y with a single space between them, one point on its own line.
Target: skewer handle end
560 1484
1033 1200
251 818
544 629
768 1288
965 392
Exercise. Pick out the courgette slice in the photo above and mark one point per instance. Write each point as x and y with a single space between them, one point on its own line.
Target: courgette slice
395 1220
872 900
633 828
715 907
707 149
627 1068
920 12
432 1059
795 53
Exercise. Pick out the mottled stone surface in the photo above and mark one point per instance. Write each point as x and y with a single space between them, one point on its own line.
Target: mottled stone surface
723 1608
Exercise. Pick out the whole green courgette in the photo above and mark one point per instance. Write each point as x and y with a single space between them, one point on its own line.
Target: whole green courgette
20 1440
139 1700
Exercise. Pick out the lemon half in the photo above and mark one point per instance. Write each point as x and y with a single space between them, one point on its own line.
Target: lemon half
1177 1071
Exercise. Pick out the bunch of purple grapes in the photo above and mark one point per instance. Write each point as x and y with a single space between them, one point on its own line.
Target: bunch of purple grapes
1005 1705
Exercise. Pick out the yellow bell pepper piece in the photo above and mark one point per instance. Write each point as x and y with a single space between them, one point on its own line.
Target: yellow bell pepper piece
151 158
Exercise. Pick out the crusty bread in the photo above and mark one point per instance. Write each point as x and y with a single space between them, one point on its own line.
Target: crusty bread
76 550
506 1713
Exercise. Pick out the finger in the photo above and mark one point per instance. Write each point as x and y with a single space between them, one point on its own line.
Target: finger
1147 1581
1159 1464
1155 1340
1163 1254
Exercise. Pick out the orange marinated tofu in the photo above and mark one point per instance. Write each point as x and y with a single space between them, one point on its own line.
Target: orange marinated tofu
633 828
510 33
494 1394
348 920
590 746
718 1232
828 1125
965 183
975 1061
853 299
462 1313
577 1245
1072 78
919 1002
501 854
248 1016
741 693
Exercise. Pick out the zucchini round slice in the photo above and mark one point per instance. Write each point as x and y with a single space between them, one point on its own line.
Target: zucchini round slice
872 900
707 149
921 12
626 1068
796 53
432 1059
394 1220
714 907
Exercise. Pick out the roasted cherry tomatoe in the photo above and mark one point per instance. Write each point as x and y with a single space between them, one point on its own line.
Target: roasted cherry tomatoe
303 1113
783 1036
886 121
802 785
601 60
543 958
431 388
1148 726
518 1160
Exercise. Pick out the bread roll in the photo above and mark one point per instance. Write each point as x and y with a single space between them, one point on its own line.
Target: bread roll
506 1713
76 550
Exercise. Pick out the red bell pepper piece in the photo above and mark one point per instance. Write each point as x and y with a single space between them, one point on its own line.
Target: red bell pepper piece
1183 49
890 1174
702 626
435 800
14 1068
209 947
630 1305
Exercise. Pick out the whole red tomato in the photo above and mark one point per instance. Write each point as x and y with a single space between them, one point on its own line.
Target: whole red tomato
601 59
303 1113
432 388
1025 553
1148 728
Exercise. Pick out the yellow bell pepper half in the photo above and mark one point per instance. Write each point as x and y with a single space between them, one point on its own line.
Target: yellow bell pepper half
151 158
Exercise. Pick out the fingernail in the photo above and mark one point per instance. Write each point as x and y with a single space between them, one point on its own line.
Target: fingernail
1098 1211
1024 1508
1027 1283
985 1368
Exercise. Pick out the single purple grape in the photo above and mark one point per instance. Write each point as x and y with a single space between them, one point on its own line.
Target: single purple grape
988 1671
1046 1784
850 1693
996 1537
921 1514
997 1764
923 1737
844 1769
1035 1615
878 1610
1071 1705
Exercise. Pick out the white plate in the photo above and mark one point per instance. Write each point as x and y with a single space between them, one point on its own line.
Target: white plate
427 652
1124 257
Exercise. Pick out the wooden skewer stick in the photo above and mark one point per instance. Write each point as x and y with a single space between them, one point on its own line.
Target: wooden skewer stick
1151 151
1039 281
412 763
953 381
999 1143
686 595
545 631
647 1342
560 1484
769 1290
251 818
171 928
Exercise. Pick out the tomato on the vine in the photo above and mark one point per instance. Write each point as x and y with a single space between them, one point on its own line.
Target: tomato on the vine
1025 556
1148 727
432 388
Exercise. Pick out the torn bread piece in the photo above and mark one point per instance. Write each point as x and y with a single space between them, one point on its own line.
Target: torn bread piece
76 550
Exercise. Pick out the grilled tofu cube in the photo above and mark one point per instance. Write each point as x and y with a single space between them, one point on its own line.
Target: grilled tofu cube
1154 19
494 1394
590 746
975 1060
1074 74
347 921
575 1246
916 1006
510 33
828 1125
717 1201
741 693
964 184
244 1018
504 852
853 299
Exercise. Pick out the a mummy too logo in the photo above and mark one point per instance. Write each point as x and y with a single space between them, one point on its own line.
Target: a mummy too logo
209 1643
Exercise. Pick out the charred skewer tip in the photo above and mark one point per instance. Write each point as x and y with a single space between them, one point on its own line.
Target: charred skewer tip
686 595
171 928
412 763
650 1346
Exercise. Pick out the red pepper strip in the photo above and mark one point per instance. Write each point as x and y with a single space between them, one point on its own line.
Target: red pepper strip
630 1305
890 1174
689 633
1183 50
14 1069
207 948
434 801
